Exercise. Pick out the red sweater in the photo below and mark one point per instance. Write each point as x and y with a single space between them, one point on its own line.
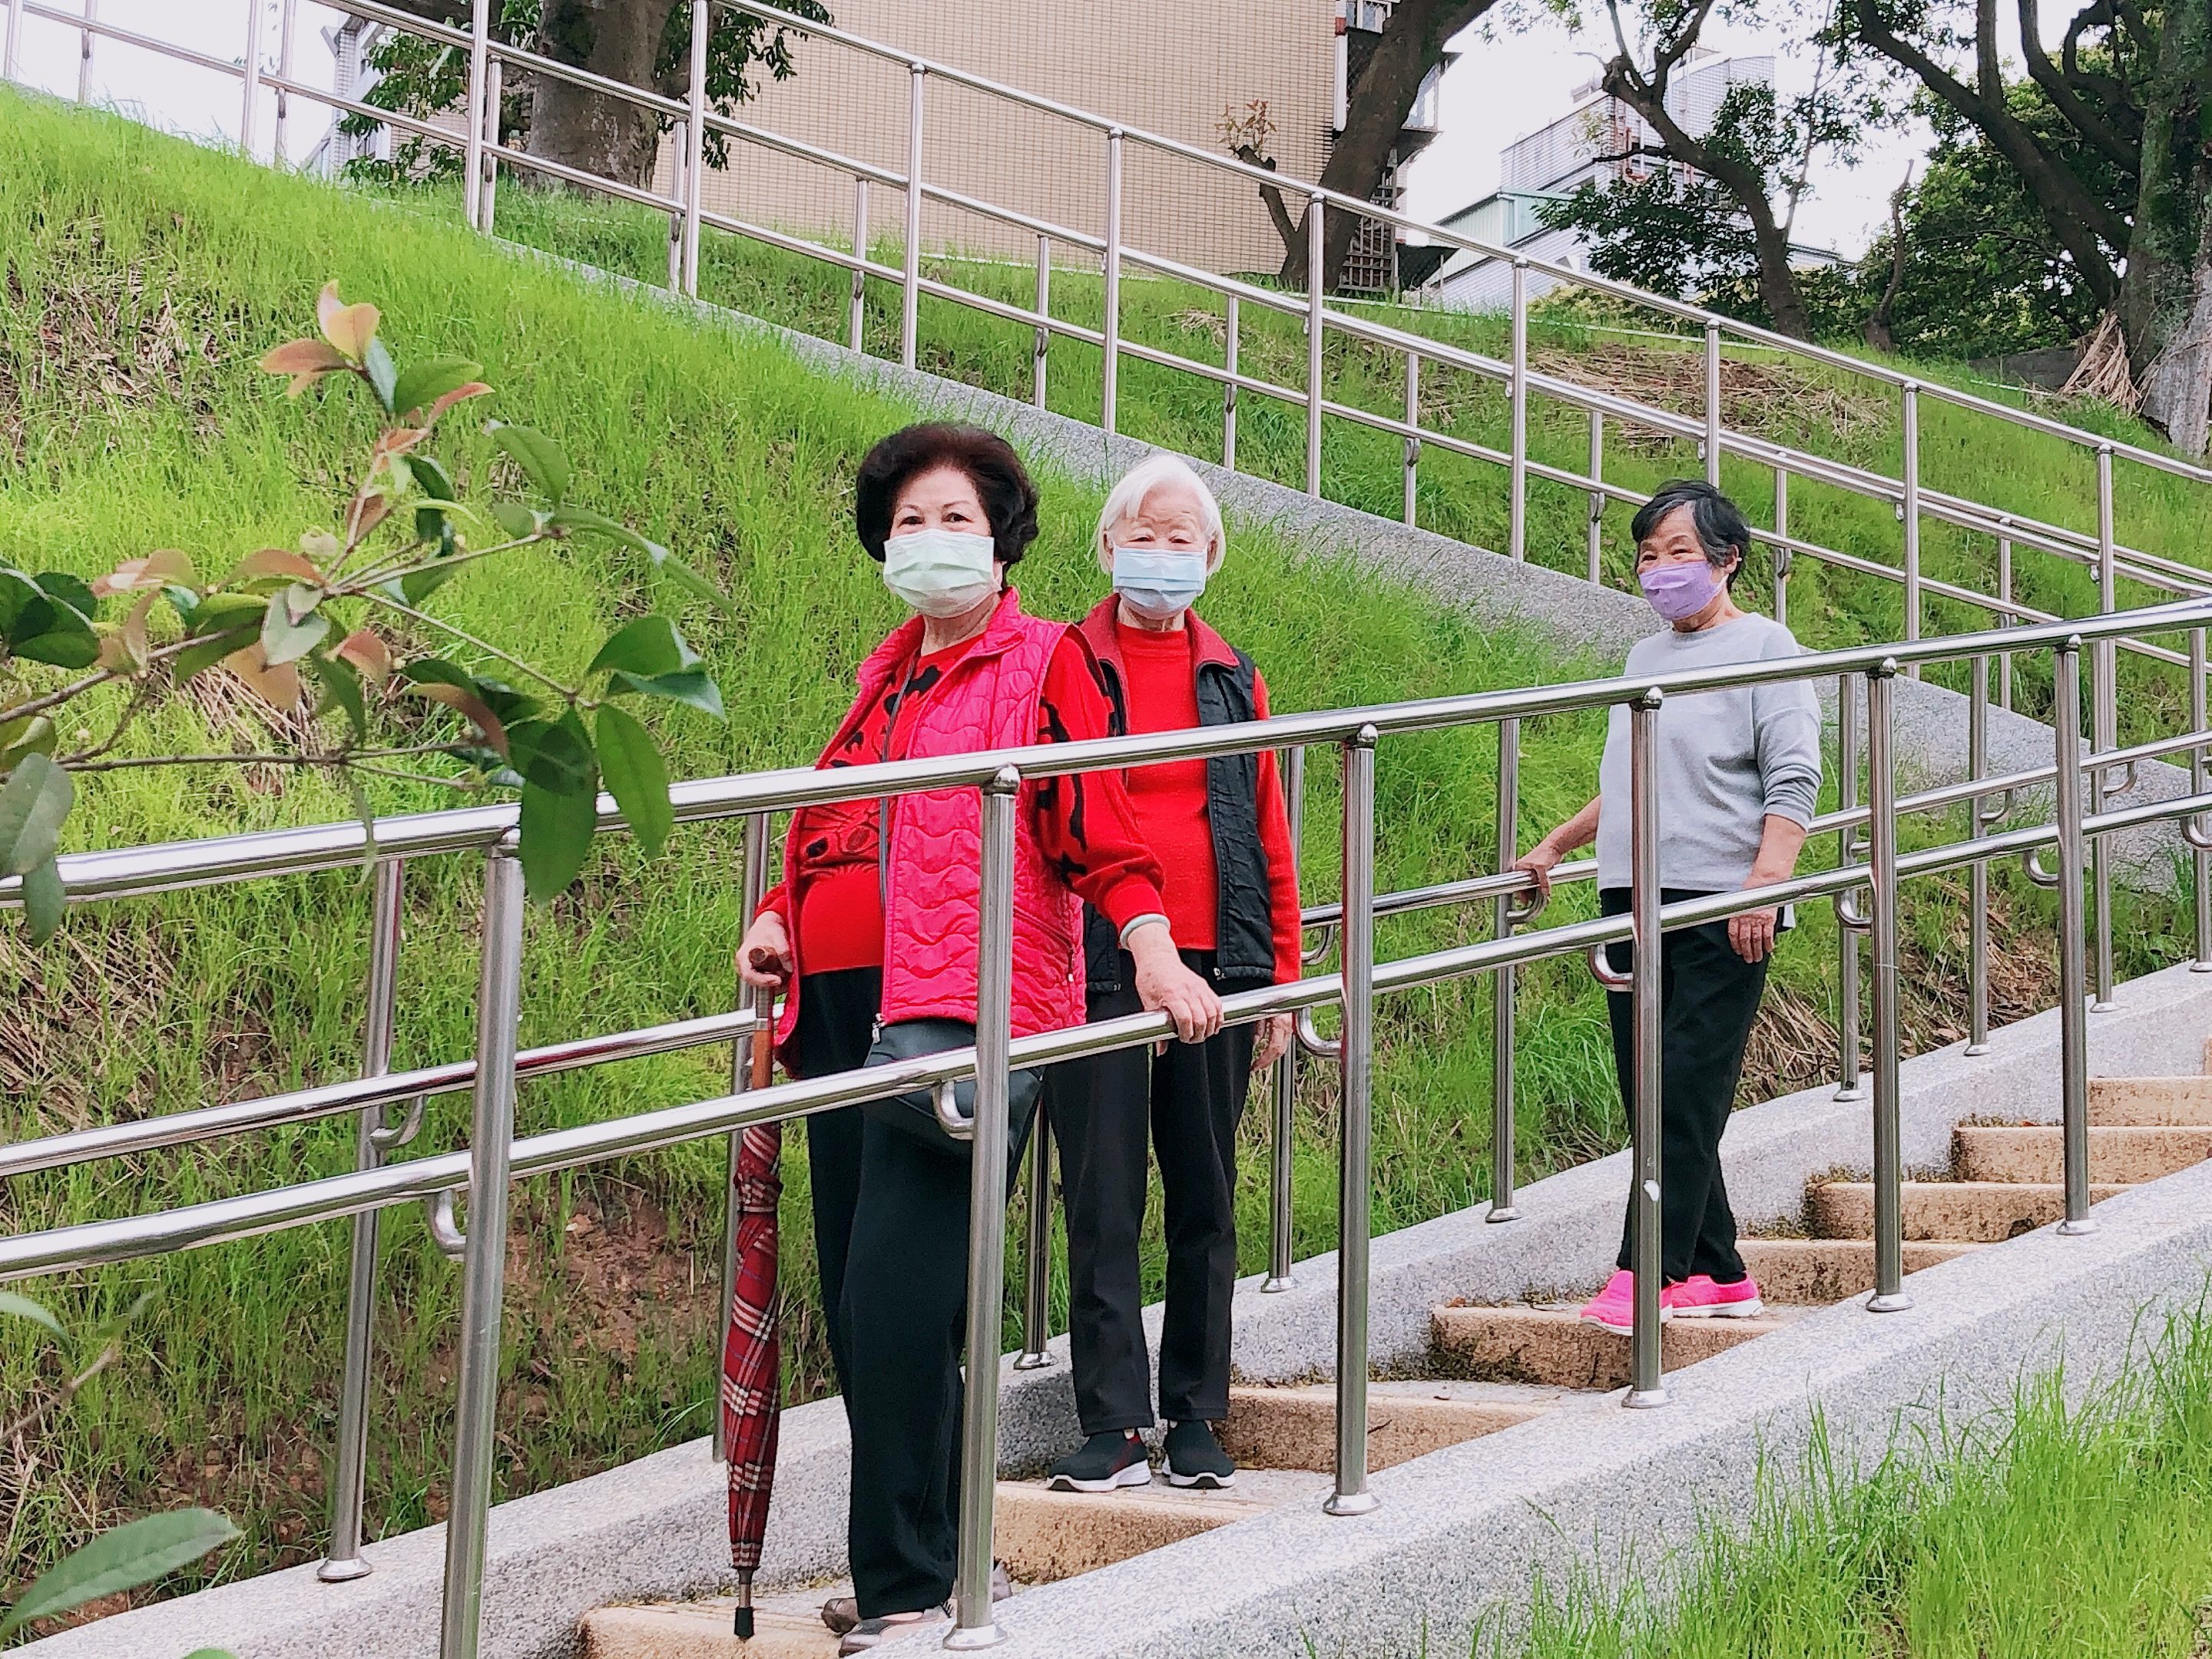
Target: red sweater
1162 696
1085 823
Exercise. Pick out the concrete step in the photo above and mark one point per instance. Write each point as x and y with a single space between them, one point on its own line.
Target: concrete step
2150 1100
2117 1152
1044 1535
1976 1212
786 1625
1549 1346
1295 1428
1813 1272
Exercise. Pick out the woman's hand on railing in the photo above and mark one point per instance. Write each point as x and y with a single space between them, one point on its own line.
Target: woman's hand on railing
1271 1041
1164 985
1538 862
764 953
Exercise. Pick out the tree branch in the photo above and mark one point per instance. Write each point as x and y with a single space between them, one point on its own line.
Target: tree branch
567 694
2092 126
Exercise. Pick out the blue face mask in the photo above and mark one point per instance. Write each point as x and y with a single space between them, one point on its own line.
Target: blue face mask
1158 583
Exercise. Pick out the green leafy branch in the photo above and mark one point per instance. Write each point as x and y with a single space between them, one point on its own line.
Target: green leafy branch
320 626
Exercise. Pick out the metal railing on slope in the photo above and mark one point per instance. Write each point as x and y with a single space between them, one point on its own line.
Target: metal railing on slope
495 1157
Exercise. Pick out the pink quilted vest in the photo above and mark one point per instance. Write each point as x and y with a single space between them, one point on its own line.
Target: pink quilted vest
932 872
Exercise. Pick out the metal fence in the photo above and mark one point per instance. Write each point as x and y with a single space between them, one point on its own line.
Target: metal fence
495 1157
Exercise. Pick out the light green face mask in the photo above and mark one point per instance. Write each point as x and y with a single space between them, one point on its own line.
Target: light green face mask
940 572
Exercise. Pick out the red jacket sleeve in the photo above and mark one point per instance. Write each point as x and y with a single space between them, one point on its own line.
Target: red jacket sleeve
1085 824
1282 909
776 902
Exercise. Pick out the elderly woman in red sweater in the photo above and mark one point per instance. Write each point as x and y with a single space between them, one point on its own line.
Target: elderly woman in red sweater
862 940
1222 836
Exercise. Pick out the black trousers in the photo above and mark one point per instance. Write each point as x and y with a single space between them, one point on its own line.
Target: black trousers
1708 997
1190 1099
894 1214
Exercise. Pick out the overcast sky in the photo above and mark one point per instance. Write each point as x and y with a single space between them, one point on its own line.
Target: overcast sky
1508 82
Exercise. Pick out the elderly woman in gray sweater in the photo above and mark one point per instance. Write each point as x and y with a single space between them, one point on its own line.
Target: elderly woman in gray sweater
1738 772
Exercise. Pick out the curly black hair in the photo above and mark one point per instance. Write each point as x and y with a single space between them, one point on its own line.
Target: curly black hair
1002 485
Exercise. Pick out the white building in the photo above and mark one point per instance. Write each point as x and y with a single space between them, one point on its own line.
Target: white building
1592 144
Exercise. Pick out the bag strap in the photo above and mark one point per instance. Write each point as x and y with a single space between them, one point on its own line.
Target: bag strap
895 701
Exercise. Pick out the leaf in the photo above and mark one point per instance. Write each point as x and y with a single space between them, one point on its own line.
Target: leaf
306 361
27 734
23 1308
368 654
473 389
203 654
520 522
554 754
650 645
292 626
33 802
124 651
154 570
685 577
376 363
275 684
59 585
542 460
341 690
557 825
636 776
44 903
576 519
424 384
319 545
69 643
459 695
694 687
132 1554
273 561
419 585
430 473
218 613
349 328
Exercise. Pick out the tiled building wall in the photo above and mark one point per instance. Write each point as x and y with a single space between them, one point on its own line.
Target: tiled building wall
1168 66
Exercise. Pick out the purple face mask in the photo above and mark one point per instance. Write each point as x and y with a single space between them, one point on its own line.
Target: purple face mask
1679 592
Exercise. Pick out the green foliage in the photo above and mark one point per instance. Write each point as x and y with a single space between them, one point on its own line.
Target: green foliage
124 1558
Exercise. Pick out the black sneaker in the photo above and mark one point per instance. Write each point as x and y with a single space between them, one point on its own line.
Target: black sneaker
1195 1457
1115 1458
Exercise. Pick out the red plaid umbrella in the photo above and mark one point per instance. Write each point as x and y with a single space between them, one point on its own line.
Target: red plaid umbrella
753 1357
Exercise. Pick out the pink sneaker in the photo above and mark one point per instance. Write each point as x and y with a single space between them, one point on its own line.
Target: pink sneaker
1614 1308
1699 1298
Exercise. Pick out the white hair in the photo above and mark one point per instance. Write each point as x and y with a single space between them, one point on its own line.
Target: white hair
1127 499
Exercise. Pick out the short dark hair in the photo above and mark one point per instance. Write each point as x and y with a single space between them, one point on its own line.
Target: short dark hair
1722 528
1002 485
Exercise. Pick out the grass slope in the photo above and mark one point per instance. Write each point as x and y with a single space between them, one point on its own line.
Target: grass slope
142 276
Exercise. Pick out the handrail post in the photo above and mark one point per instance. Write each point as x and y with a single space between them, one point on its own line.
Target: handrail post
973 1626
2199 773
495 88
1889 1295
1593 533
1109 272
1280 1277
1036 1256
249 109
473 119
287 20
1978 873
695 140
1909 415
1316 282
2007 619
2072 973
910 272
9 44
1412 444
343 1561
491 1139
754 885
1228 386
681 149
1042 347
1848 1085
1713 404
1517 505
85 37
1355 1063
1782 555
1501 1087
2104 730
1646 1386
856 322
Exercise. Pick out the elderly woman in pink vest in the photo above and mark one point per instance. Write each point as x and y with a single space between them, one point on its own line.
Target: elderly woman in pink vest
867 944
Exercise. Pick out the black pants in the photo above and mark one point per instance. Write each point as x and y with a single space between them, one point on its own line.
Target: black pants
1192 1096
1708 997
894 1213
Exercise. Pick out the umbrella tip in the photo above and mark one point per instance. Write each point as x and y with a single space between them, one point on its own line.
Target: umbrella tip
743 1624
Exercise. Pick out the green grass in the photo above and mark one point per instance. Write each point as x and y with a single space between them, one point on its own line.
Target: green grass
2070 1522
143 277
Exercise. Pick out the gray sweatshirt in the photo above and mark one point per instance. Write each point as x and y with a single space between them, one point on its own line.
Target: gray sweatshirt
1726 759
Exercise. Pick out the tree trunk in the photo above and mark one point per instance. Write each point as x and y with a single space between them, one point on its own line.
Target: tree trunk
588 129
2166 298
1412 43
2177 387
